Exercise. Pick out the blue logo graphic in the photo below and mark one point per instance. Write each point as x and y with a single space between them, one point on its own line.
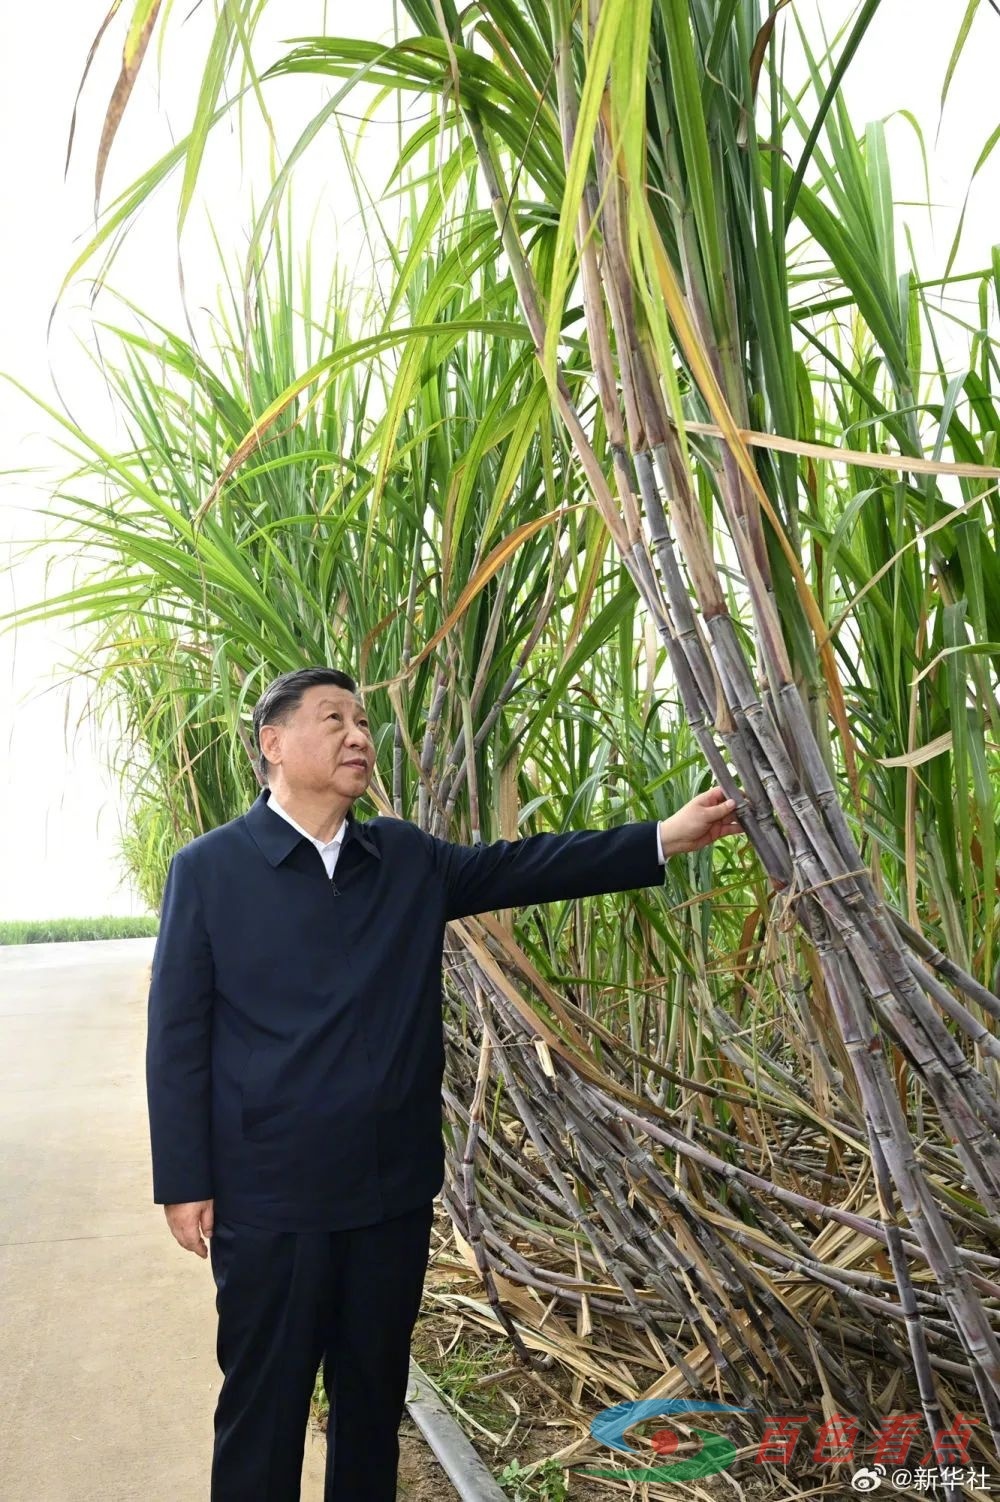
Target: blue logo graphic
716 1453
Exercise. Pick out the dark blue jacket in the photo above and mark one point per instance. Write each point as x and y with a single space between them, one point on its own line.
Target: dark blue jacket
295 1046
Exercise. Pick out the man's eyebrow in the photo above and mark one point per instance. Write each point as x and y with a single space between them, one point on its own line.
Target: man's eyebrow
332 704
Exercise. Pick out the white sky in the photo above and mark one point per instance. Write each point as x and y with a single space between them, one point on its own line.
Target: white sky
59 811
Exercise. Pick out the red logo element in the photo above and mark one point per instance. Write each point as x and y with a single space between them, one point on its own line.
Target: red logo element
894 1438
665 1441
780 1436
952 1444
837 1436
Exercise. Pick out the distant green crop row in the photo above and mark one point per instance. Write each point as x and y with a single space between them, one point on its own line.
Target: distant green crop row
56 930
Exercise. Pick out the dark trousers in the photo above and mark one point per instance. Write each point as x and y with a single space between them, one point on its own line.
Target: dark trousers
287 1301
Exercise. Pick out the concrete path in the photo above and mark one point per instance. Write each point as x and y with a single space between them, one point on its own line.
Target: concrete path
108 1377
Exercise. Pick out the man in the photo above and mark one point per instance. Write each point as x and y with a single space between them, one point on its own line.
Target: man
294 1064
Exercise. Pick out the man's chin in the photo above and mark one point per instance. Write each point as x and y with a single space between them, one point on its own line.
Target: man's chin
352 784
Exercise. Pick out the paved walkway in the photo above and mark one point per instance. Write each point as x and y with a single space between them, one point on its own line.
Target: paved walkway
108 1377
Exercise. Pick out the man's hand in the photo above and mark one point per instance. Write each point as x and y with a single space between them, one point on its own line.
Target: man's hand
190 1222
706 818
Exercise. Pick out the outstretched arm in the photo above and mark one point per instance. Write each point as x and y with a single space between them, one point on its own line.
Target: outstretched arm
585 863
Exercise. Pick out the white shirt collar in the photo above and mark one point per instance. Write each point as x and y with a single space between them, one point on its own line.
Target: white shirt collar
321 845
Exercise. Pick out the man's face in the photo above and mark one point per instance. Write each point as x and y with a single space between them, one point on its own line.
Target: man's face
324 746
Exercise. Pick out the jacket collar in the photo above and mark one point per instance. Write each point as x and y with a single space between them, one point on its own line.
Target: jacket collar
276 838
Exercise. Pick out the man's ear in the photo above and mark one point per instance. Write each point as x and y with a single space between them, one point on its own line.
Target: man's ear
270 743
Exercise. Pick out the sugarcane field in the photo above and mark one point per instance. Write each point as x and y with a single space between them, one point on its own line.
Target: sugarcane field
501 645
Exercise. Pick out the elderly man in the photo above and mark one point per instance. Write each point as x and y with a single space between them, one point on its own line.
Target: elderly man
294 1064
